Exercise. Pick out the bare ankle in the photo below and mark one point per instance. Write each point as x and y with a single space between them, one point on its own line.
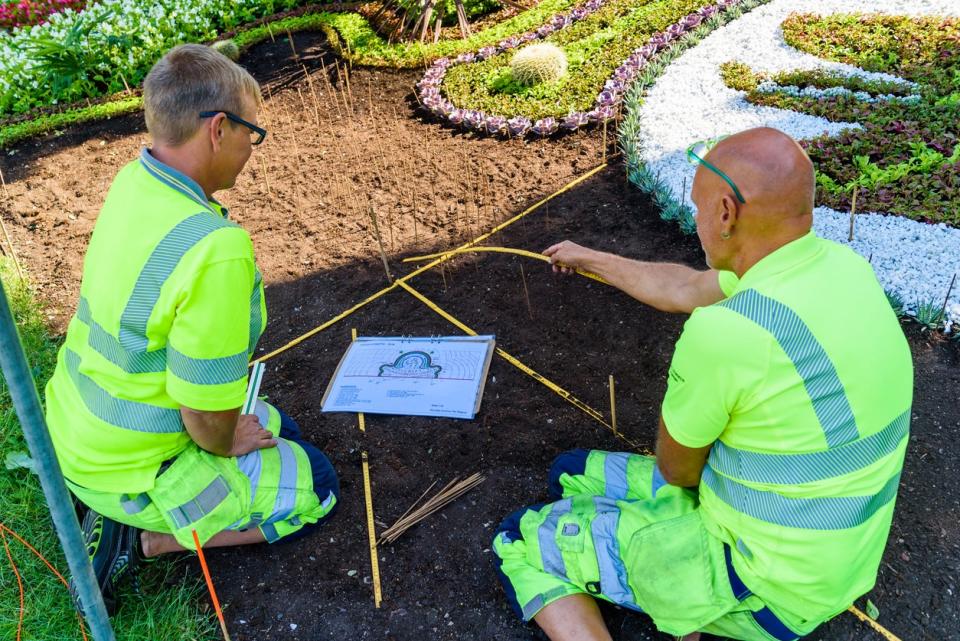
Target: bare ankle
146 544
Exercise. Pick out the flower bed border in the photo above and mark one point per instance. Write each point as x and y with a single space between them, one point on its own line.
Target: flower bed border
17 128
637 173
606 102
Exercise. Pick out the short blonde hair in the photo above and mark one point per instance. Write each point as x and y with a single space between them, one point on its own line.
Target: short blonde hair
189 79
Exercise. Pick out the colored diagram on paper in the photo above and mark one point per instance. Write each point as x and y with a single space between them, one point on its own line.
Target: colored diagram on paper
411 376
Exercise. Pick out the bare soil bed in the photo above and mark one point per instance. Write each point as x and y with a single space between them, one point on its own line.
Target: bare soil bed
306 198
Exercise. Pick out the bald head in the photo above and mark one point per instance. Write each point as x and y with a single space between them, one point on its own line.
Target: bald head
771 170
776 179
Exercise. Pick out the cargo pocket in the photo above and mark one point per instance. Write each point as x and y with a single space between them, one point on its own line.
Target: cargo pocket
199 493
677 571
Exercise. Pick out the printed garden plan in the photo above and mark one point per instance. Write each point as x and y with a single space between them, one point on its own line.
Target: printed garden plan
439 376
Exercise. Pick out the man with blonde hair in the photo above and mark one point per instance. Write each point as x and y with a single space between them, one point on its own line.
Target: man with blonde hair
144 407
781 438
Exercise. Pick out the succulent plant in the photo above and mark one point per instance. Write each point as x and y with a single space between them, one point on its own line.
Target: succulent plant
539 63
228 48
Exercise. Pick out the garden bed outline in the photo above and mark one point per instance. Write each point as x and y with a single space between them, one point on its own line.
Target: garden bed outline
566 395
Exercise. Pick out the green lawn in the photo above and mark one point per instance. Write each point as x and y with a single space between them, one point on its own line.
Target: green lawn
171 608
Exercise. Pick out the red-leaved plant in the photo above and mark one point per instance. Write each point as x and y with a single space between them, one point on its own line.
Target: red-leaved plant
23 13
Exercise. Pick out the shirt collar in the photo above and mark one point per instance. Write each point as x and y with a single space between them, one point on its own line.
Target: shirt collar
179 181
788 256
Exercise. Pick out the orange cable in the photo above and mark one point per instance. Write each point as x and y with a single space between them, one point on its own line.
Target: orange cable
213 593
13 566
4 528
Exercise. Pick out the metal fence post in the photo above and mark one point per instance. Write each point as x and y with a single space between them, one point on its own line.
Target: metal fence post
26 401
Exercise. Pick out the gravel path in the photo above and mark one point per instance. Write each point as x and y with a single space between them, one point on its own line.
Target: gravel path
690 102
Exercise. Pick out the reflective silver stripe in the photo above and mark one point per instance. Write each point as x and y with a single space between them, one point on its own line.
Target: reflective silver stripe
256 316
550 554
120 412
202 504
134 504
786 469
538 602
262 412
657 480
327 502
287 487
615 475
250 465
533 606
269 532
820 513
246 523
164 258
606 545
110 348
811 361
207 371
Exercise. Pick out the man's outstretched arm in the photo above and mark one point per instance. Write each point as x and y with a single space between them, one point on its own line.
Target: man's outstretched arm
668 287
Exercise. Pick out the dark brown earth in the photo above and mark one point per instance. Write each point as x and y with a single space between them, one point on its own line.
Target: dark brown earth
313 237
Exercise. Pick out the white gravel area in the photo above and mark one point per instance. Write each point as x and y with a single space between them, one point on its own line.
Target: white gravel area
690 102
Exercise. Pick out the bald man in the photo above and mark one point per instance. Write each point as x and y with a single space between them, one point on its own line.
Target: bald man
781 438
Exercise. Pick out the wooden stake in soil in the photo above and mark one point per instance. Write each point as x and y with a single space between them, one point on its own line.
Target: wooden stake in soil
329 91
943 309
613 408
125 84
604 144
316 107
374 557
292 48
383 254
526 292
853 211
416 240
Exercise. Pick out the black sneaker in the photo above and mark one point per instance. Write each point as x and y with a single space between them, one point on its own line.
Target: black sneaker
114 550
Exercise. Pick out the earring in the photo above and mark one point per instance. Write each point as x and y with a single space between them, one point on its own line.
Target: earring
725 235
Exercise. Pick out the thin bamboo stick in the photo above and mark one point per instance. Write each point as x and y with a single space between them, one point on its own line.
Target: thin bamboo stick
316 106
452 491
613 407
383 254
853 212
526 292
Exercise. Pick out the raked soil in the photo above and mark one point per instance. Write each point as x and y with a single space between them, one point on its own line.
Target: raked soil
336 152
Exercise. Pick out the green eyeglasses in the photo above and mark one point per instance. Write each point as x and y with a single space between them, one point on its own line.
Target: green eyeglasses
257 134
699 150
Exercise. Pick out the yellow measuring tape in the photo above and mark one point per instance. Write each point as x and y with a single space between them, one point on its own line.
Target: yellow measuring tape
564 394
360 419
502 250
886 634
431 265
374 560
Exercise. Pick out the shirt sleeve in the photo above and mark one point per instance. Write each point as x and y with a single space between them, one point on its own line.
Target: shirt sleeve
208 343
728 283
706 378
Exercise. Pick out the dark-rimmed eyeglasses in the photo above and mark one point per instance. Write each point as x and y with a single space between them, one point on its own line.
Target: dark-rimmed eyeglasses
699 150
257 134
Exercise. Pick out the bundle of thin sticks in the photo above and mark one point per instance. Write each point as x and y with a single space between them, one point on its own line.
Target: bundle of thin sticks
453 490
